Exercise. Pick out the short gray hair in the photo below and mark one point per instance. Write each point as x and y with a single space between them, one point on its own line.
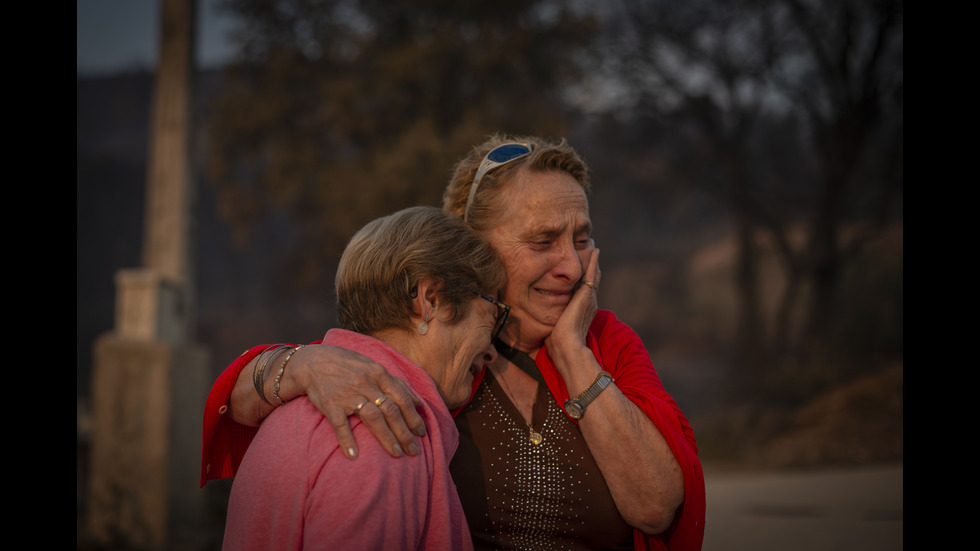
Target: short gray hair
387 258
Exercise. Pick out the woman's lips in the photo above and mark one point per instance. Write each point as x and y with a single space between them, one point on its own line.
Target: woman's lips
553 295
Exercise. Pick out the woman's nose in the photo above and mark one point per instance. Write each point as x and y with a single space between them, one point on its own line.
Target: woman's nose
489 355
568 263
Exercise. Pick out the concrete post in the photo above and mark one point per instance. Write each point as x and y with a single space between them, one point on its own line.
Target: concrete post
149 381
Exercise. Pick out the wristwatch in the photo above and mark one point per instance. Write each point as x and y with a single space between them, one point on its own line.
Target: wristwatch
575 407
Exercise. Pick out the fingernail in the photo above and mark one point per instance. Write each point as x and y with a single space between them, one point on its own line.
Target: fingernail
398 451
351 453
413 449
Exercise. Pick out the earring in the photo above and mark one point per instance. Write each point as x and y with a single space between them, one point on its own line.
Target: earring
424 325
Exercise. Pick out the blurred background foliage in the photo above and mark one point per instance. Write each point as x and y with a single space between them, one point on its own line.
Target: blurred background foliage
340 112
747 154
747 160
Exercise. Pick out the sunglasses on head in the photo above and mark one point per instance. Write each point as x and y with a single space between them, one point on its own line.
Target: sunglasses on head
503 312
496 158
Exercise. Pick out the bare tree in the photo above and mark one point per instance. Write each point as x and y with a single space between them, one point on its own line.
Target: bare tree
791 114
342 111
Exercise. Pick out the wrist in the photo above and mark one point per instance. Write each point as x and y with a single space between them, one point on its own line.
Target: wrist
295 378
264 369
277 384
570 361
575 407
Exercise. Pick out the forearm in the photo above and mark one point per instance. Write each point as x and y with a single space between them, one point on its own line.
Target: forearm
244 404
336 381
643 475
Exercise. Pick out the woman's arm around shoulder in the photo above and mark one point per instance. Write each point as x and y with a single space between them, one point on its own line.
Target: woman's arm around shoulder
336 381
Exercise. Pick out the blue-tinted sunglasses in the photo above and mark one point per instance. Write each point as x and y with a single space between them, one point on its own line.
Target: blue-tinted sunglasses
498 157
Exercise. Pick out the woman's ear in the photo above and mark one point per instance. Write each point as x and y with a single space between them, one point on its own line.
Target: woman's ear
425 297
425 303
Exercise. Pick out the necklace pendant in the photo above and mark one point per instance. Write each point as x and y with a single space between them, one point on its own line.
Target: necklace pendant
536 437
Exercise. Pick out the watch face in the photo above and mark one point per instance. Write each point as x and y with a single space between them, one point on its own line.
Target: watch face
573 409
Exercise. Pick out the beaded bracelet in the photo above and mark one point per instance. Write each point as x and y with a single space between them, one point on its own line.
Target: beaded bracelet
282 367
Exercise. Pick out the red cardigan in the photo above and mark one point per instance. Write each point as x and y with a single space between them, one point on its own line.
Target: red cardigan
617 348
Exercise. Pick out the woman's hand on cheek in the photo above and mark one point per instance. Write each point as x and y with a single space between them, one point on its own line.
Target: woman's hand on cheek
574 322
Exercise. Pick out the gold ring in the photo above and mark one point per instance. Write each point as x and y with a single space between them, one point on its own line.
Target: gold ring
380 400
590 284
357 408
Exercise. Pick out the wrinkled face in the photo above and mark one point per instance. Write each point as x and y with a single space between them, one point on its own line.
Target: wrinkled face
544 240
465 349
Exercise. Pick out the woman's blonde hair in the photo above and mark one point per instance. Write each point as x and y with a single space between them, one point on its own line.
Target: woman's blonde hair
384 262
545 156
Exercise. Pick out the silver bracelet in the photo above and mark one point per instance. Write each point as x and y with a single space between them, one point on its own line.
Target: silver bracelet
282 367
258 370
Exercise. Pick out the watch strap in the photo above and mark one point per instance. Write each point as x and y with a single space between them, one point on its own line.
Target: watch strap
600 383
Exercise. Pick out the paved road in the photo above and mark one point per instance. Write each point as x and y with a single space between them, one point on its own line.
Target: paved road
839 510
